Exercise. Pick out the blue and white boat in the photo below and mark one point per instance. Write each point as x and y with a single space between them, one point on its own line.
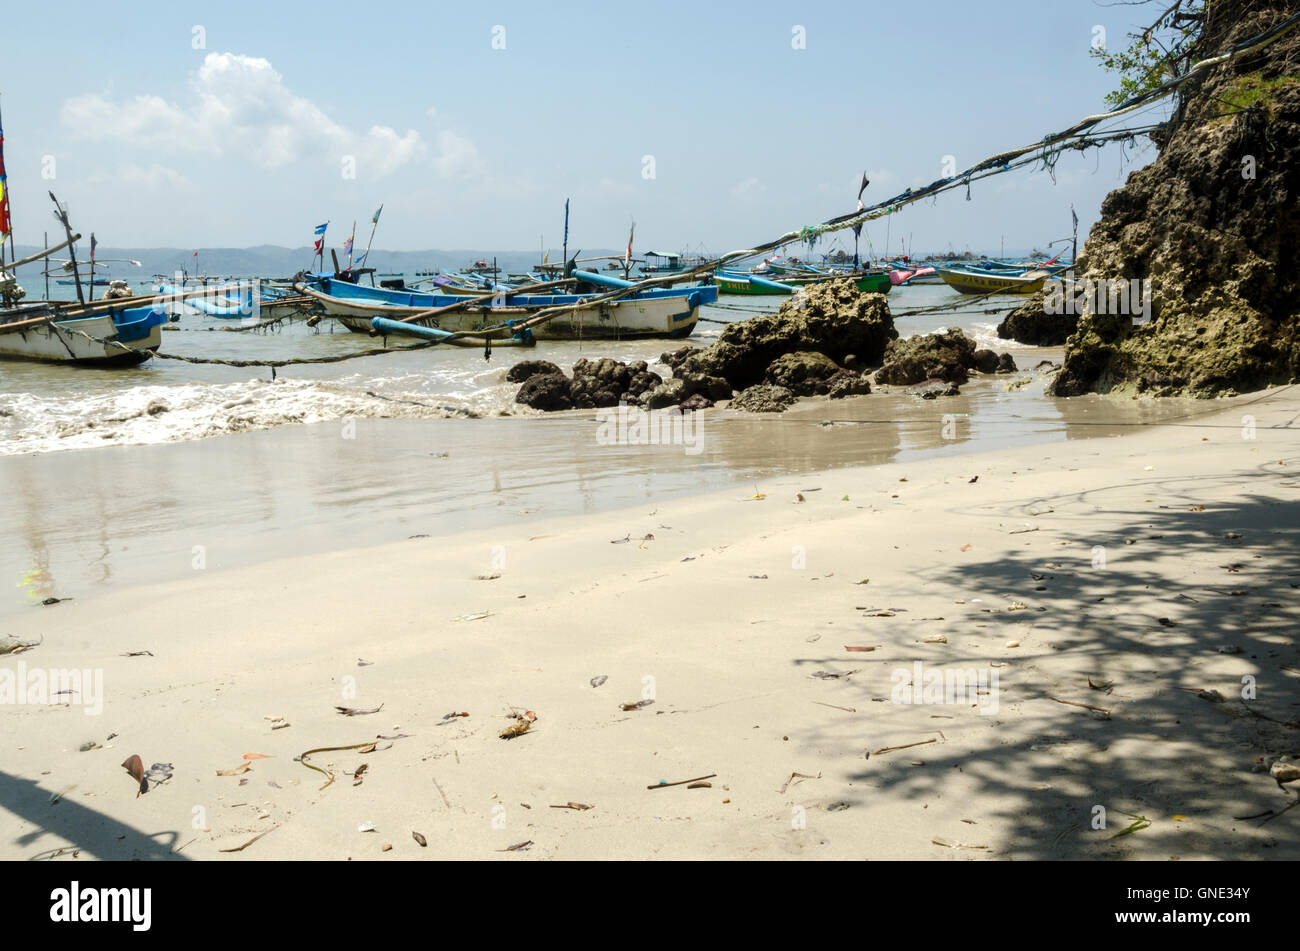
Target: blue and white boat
37 332
646 313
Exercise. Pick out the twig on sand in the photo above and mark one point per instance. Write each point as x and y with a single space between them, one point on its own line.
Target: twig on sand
683 782
1085 706
834 707
240 848
905 746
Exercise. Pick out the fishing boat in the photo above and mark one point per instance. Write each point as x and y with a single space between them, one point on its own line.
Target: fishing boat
238 300
647 313
38 332
736 282
970 281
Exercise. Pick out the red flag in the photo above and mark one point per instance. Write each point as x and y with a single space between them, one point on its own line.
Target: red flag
317 246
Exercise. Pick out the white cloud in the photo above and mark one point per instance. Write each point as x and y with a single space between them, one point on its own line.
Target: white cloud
457 156
241 105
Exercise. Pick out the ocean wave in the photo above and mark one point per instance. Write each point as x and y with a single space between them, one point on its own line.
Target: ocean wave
146 415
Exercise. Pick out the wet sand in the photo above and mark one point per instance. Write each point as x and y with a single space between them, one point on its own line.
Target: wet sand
1123 573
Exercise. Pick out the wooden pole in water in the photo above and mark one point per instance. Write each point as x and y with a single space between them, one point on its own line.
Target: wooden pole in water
62 215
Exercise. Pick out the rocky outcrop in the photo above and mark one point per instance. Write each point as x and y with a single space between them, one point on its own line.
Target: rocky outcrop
546 391
944 356
1214 225
933 389
804 372
527 368
834 319
847 383
1031 323
989 361
596 384
764 398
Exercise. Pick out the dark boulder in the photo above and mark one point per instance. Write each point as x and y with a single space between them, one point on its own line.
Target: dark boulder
845 384
1032 323
804 372
946 356
528 368
546 391
933 389
764 398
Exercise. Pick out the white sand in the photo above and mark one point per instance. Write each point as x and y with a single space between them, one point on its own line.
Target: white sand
731 659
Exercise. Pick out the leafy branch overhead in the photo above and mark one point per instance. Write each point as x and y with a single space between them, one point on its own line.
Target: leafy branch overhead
1161 52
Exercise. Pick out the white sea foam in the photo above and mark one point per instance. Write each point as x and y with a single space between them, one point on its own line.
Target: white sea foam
145 415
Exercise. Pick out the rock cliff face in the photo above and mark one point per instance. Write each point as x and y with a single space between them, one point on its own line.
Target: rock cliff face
1214 225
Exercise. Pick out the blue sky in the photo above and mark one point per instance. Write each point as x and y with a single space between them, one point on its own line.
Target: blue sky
245 140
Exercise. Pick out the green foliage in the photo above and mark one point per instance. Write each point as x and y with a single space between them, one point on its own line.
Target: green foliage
1157 54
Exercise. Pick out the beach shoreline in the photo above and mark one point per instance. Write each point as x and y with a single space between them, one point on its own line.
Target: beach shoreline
723 619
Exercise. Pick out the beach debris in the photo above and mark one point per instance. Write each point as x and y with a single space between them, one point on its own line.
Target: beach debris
473 617
861 650
357 712
386 847
365 663
798 497
240 848
54 799
1105 686
302 758
523 723
159 773
251 756
1139 823
278 723
366 827
133 765
1167 622
758 577
423 842
577 806
973 481
1012 644
1211 696
700 786
88 746
878 613
622 541
664 784
1284 773
597 681
638 705
1102 712
446 716
831 675
491 577
48 601
966 547
236 771
1023 531
905 746
11 645
947 844
359 776
518 846
138 654
936 639
793 776
838 806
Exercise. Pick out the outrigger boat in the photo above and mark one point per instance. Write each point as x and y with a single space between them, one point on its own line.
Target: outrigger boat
990 282
736 282
35 332
238 300
647 313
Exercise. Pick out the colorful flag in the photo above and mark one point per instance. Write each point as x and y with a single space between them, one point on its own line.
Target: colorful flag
375 219
4 193
627 258
320 229
347 247
319 246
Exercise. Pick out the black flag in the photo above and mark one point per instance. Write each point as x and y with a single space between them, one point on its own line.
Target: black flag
864 185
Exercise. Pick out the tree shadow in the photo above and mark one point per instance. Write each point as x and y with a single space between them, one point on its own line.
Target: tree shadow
1193 763
87 831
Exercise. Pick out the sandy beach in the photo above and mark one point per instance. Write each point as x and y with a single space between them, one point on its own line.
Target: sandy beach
1107 597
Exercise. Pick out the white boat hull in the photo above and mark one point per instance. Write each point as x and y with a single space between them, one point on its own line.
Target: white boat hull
56 343
661 317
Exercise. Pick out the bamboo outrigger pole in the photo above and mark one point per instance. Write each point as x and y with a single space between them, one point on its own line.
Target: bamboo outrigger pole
61 214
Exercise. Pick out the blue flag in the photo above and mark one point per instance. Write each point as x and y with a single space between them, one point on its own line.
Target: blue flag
320 229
